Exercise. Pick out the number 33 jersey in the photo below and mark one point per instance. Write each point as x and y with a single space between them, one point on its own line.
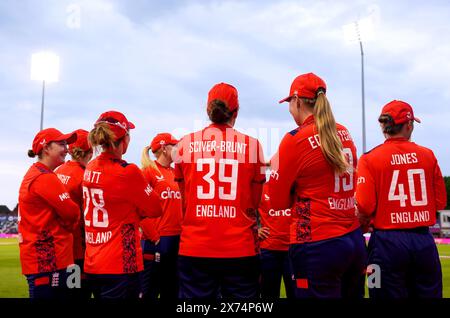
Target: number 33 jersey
116 196
219 167
401 183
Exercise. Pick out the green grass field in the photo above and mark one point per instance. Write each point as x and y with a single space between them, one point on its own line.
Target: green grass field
13 283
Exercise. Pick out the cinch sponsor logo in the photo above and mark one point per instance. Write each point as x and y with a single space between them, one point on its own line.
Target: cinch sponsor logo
274 174
286 212
64 196
170 194
361 180
148 190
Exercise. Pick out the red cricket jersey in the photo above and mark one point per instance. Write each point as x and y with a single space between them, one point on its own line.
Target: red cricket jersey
163 182
277 221
116 196
400 183
222 172
322 203
47 217
71 175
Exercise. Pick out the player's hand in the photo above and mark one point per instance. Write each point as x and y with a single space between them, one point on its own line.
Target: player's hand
263 233
364 220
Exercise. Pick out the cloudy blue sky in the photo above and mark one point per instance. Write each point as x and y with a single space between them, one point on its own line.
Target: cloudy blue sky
156 60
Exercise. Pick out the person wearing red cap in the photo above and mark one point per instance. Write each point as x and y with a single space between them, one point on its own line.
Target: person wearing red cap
400 188
47 217
71 175
313 175
161 237
221 174
116 197
274 236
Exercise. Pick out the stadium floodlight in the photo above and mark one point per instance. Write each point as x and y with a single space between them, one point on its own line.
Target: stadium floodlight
45 68
355 32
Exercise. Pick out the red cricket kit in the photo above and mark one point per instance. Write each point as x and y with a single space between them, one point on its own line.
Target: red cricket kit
400 183
116 196
71 175
322 202
163 182
222 172
277 221
47 217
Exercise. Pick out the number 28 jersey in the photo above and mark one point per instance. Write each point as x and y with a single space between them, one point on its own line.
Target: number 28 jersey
218 166
116 197
401 183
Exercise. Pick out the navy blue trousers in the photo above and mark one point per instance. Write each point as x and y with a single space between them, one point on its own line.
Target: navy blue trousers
114 286
409 264
160 275
274 266
168 248
212 278
51 285
332 268
150 276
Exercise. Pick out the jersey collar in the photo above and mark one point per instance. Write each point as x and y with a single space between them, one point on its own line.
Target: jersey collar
308 120
396 139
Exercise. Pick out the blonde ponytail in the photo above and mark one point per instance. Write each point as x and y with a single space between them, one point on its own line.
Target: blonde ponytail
331 145
146 161
102 135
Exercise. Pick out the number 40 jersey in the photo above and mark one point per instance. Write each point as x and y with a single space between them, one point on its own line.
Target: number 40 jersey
401 183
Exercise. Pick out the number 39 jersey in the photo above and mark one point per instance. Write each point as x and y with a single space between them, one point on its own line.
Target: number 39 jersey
116 196
401 183
218 168
322 203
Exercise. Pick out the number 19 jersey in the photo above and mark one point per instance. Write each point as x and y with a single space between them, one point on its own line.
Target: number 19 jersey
322 202
218 167
401 183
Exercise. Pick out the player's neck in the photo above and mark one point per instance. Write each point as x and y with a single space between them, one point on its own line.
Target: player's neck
163 161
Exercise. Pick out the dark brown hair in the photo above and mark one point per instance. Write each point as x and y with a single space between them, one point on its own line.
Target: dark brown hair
78 153
218 112
388 125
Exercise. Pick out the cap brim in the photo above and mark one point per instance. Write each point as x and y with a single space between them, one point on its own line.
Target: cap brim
417 120
284 100
131 125
69 138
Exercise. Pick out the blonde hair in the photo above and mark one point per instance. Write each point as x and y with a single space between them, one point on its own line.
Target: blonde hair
103 136
330 143
146 161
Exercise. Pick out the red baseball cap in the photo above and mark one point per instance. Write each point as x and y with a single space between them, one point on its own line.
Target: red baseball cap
82 141
162 139
400 112
48 135
305 85
226 93
117 121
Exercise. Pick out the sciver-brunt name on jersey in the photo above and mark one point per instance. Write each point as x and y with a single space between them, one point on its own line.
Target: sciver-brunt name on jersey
217 156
